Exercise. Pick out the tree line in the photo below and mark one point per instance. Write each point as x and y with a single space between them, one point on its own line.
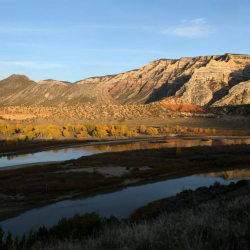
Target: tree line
19 133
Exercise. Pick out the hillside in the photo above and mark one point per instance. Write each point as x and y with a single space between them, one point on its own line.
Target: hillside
203 80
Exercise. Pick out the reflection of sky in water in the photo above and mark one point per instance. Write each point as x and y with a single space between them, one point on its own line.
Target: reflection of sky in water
51 155
74 153
118 203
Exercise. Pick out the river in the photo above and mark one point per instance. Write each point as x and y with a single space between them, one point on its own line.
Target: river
123 201
90 149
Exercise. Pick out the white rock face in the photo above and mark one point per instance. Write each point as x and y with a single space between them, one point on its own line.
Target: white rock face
205 82
238 95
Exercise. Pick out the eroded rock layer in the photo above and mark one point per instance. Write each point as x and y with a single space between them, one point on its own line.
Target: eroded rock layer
204 80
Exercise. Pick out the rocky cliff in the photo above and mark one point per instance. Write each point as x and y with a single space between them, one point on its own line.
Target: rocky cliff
237 95
204 80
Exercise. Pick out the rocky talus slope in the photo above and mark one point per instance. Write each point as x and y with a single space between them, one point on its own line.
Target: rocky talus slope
203 80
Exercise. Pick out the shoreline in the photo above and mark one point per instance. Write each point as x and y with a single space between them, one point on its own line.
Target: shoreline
13 207
104 142
109 189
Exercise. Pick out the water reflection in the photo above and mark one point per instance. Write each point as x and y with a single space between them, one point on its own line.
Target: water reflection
65 150
237 174
76 152
120 203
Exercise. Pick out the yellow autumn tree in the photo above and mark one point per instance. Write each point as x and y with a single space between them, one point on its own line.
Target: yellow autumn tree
133 131
195 130
22 138
208 131
65 133
142 129
10 129
112 130
152 131
90 128
99 132
79 136
201 130
121 130
19 127
84 133
54 133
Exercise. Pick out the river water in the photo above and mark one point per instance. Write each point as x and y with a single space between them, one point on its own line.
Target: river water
124 201
77 152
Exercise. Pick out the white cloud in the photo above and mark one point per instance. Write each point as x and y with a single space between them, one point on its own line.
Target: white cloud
34 65
196 28
198 21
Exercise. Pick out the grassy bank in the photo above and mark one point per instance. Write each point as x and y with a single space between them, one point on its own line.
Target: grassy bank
218 221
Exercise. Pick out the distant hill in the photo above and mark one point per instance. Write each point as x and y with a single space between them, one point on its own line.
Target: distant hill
203 80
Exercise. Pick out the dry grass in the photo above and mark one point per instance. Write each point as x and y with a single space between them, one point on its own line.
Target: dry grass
210 226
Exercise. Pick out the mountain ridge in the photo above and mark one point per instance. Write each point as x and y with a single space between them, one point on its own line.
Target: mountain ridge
200 80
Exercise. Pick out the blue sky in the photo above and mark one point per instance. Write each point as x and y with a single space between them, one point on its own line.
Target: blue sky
74 39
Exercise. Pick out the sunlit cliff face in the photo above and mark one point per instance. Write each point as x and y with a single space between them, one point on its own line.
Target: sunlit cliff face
201 80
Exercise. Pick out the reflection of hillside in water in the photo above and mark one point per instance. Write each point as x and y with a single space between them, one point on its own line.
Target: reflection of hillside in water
152 145
172 143
229 175
89 150
231 141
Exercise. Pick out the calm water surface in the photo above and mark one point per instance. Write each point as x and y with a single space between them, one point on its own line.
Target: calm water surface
121 202
76 152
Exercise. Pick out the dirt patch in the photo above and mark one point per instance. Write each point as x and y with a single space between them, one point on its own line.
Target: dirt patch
108 171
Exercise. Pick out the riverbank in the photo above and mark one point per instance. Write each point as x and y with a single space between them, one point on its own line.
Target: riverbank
39 146
53 145
188 199
218 223
214 217
16 139
26 188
